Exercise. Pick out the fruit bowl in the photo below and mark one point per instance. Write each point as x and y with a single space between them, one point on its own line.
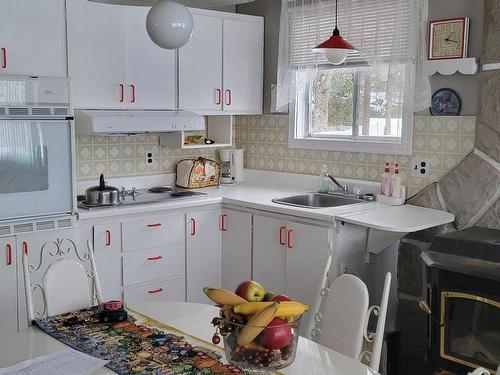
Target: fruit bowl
274 348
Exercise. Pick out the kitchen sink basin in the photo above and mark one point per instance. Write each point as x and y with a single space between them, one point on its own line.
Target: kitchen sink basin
317 200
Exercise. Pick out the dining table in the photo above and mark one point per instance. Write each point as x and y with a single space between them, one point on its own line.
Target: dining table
193 319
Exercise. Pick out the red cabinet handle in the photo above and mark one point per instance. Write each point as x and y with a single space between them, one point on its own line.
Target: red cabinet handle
193 227
122 93
9 254
155 291
132 93
222 225
229 97
25 247
154 225
158 257
282 232
218 96
290 244
108 237
4 58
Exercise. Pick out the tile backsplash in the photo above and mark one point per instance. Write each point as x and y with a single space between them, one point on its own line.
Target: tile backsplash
444 140
118 156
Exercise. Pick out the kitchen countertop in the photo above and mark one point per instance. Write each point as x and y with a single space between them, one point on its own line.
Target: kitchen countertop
257 196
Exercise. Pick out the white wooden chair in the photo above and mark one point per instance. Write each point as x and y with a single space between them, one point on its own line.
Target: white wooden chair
62 279
342 322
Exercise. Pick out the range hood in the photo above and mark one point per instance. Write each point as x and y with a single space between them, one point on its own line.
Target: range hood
113 122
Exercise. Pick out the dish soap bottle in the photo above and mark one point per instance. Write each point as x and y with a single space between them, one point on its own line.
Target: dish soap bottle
323 180
385 185
396 182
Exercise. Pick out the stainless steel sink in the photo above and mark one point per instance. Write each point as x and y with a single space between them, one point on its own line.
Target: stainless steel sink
317 200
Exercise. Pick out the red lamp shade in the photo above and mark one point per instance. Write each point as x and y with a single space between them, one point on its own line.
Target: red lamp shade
336 48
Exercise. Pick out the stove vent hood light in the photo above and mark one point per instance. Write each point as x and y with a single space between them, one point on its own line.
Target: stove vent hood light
109 122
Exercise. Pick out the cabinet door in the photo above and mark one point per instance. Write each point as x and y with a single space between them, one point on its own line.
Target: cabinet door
269 255
204 253
8 293
33 37
200 66
96 54
151 70
107 256
243 65
236 229
307 252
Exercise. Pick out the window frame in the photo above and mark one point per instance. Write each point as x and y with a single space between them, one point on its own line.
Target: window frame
300 119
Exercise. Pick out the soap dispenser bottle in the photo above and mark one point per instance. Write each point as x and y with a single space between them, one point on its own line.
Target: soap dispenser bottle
396 182
385 185
323 181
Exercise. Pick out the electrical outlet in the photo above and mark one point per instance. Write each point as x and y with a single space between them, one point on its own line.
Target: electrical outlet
149 157
420 167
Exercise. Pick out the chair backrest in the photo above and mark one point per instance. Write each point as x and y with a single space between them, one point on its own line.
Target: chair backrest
377 339
343 316
66 287
59 278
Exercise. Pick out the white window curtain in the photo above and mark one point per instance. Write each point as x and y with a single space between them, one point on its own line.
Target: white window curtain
386 33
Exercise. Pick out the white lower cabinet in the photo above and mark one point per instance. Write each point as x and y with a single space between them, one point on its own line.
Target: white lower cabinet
289 257
8 292
107 255
169 290
203 253
236 227
269 253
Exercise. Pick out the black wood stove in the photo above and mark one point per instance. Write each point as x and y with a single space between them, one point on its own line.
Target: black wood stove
463 300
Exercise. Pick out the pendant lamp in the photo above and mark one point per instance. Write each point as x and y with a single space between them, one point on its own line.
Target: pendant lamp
335 48
169 24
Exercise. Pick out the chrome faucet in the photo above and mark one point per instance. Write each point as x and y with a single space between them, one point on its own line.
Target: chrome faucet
344 188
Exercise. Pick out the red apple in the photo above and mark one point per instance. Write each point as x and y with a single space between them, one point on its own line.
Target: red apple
280 297
276 335
250 290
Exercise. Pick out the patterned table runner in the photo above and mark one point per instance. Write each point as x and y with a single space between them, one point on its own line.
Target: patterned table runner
129 350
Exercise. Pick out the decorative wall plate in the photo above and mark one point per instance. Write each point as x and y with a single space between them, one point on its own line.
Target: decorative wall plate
446 102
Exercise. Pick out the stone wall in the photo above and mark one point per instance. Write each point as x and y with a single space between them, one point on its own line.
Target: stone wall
470 191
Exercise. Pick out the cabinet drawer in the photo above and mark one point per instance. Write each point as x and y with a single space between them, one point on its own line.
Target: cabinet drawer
152 232
171 290
166 262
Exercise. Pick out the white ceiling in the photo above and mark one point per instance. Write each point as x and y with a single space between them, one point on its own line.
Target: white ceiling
190 3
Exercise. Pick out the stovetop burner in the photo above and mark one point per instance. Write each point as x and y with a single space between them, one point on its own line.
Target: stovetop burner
155 194
159 189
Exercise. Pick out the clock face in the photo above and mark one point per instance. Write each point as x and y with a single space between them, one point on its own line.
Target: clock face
447 39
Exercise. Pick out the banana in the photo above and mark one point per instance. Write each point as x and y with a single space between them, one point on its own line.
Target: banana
286 308
223 297
257 323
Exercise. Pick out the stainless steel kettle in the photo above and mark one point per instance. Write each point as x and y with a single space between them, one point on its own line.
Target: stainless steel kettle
102 195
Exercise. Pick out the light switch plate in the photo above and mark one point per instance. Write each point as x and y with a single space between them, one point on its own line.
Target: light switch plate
420 166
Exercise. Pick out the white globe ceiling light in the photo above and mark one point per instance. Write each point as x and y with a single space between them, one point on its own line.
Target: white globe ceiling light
169 24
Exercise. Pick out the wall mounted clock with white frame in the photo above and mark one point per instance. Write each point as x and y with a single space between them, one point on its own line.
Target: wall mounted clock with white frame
449 39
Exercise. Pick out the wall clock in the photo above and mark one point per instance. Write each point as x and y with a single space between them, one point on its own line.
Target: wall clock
448 39
446 102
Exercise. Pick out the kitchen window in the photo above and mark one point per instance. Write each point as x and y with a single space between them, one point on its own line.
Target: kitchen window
364 105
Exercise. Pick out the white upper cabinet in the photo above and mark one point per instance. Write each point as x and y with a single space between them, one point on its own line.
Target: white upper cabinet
200 66
243 71
221 67
112 61
96 54
33 37
151 70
